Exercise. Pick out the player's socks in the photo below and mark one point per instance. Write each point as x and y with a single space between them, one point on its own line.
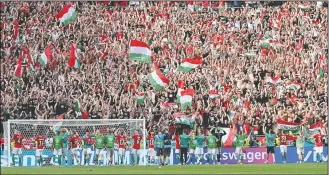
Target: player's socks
39 162
218 158
137 162
13 160
59 161
20 160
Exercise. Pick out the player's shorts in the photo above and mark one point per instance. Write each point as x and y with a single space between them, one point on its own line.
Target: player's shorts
212 151
270 149
238 150
135 151
65 151
159 151
86 150
283 149
109 151
17 151
319 149
166 152
198 151
38 152
177 151
191 151
122 151
300 151
74 150
151 152
98 150
57 152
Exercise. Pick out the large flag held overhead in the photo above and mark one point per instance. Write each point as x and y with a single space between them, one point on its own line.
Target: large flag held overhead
74 59
189 64
181 85
31 64
183 119
275 80
313 129
158 80
18 70
140 51
67 15
213 93
294 85
288 126
186 98
45 56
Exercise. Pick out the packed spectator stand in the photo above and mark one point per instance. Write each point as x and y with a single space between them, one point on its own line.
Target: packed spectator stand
227 35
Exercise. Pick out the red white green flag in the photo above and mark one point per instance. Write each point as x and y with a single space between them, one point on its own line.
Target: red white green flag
158 80
140 51
186 98
67 15
74 59
213 93
294 85
45 56
18 70
189 64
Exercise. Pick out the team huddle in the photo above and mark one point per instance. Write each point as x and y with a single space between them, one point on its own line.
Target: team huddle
159 145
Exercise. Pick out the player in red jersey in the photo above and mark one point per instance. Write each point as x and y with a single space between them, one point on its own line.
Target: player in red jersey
40 145
136 146
18 144
2 142
75 143
151 151
283 145
318 145
176 138
121 141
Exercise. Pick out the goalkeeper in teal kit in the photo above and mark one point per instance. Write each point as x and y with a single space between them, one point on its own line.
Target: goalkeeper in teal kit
65 141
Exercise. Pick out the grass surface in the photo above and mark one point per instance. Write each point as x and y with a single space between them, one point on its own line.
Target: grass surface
186 169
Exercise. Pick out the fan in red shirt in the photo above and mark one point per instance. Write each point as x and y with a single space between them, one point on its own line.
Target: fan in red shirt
318 145
121 141
177 146
40 145
18 144
283 145
75 142
136 146
2 142
151 151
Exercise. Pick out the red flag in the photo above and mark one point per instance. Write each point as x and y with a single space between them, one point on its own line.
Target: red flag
15 23
181 84
18 71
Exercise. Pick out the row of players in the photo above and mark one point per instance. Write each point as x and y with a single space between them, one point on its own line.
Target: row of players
158 145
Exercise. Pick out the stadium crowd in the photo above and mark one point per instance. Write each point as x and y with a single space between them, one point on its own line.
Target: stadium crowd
226 37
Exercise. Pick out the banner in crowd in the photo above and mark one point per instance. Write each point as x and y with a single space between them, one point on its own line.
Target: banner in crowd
288 126
183 119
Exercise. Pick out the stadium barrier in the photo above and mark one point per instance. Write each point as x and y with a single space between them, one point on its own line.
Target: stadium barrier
251 156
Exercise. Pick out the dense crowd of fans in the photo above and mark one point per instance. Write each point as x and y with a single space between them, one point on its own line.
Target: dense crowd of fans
226 37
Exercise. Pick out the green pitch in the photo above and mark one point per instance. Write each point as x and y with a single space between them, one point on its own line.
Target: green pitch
183 169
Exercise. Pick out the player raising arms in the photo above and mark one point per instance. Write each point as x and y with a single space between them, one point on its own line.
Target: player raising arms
100 144
121 140
65 141
137 137
199 146
240 137
184 143
18 144
270 144
57 147
87 144
318 146
40 145
192 145
75 142
283 145
151 151
109 145
211 144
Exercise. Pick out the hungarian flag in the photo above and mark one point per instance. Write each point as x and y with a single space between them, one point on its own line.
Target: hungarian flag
274 80
288 126
74 59
31 64
294 85
181 85
249 55
67 15
186 98
213 93
45 56
320 71
140 97
140 51
303 7
158 80
269 43
183 119
309 132
18 70
189 64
